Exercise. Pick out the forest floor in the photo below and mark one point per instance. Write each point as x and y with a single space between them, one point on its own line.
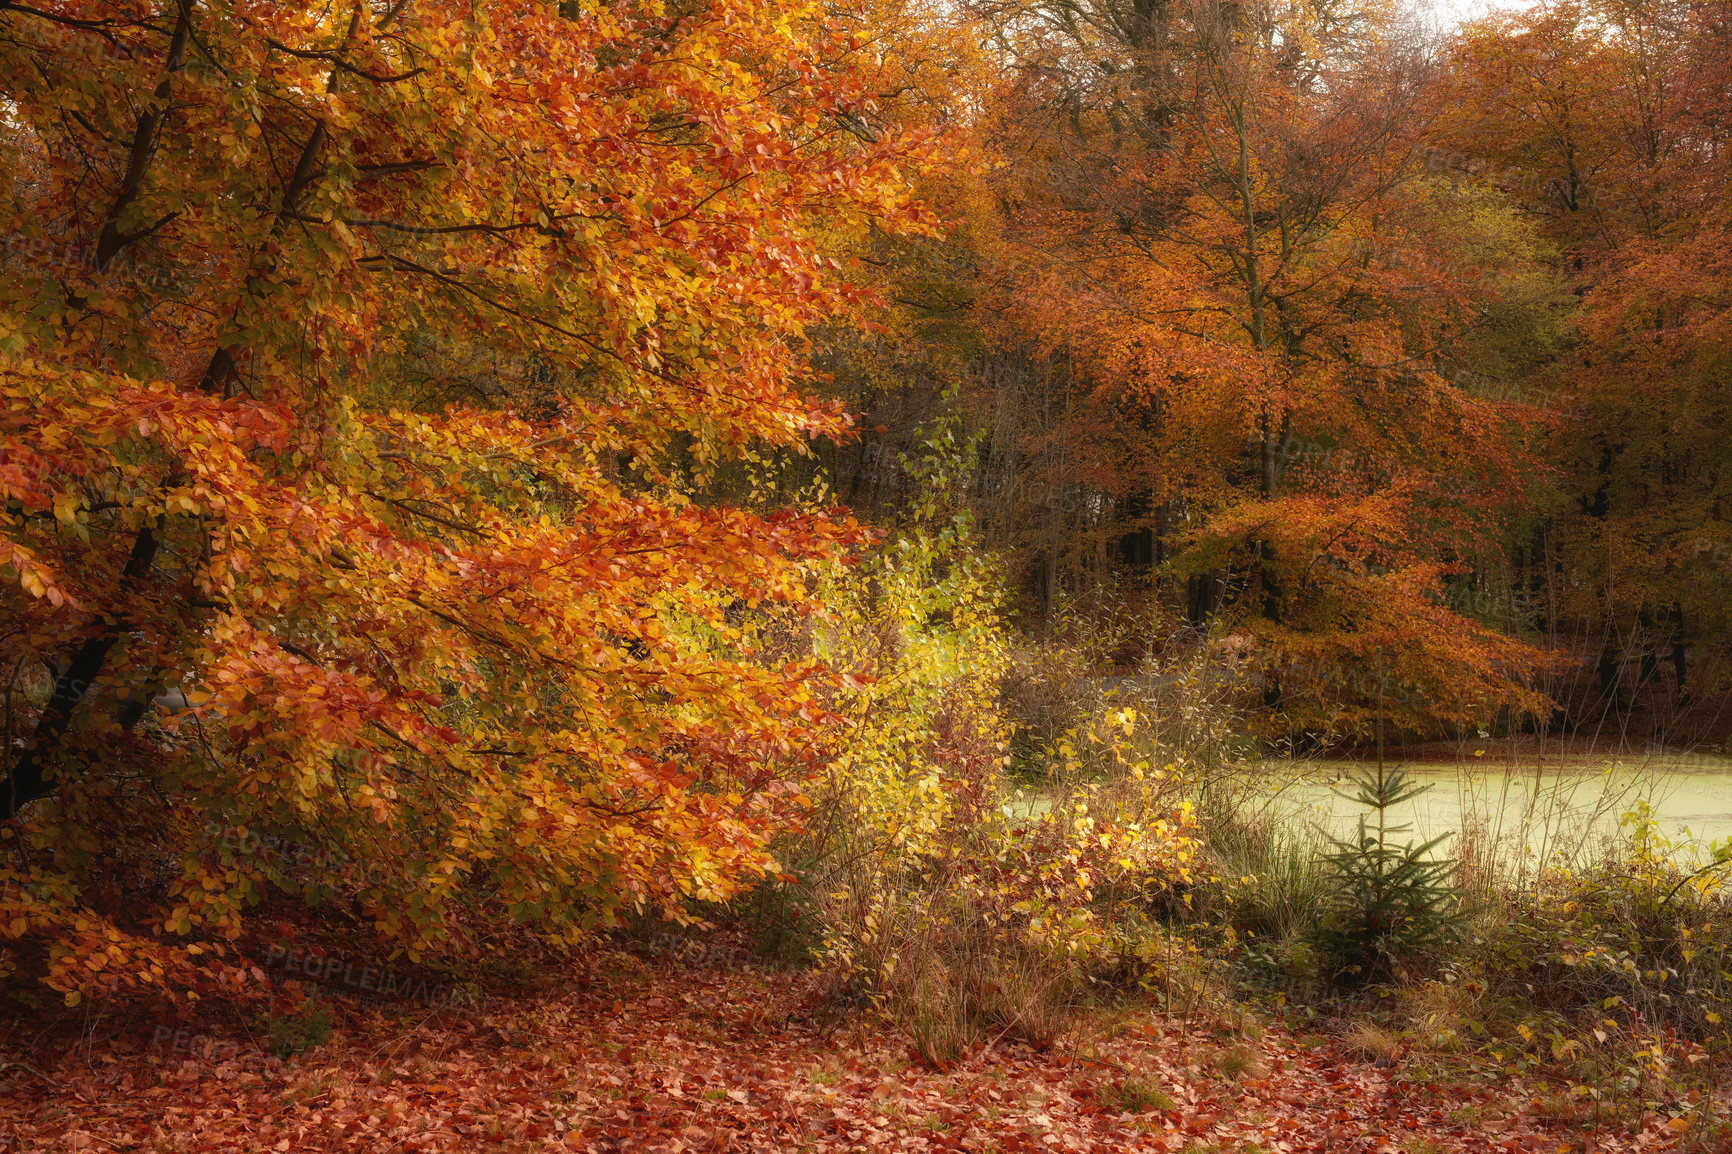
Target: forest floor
667 1056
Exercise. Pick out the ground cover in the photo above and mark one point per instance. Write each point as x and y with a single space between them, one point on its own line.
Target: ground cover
665 1055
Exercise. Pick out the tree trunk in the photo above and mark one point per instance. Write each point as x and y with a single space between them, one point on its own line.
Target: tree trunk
29 779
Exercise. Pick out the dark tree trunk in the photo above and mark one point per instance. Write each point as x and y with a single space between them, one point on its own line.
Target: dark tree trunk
29 779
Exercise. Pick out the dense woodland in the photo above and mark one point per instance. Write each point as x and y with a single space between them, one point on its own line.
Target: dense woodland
1334 337
674 491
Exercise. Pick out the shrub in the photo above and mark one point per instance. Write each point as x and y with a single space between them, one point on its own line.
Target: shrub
1636 943
963 908
995 923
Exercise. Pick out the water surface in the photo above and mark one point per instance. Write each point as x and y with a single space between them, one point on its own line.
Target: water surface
1571 805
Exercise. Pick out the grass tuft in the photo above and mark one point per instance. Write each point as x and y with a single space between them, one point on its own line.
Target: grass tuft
1238 1062
1137 1096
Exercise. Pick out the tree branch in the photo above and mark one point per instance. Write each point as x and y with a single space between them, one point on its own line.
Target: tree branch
112 240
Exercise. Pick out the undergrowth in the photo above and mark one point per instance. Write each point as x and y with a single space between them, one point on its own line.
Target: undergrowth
1004 845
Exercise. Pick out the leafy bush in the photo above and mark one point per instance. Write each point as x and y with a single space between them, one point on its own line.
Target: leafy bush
957 904
1634 944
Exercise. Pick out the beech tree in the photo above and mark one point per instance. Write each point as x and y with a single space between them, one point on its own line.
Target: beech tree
1607 124
342 352
1224 236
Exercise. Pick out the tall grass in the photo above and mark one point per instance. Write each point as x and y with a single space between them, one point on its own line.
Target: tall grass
1273 867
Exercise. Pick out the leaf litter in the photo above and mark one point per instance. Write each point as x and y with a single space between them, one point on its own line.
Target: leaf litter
682 1058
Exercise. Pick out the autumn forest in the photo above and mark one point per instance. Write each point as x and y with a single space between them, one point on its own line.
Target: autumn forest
992 575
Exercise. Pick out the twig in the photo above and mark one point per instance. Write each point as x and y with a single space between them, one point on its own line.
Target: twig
5 1066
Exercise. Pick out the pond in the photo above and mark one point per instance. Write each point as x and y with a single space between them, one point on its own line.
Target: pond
1568 805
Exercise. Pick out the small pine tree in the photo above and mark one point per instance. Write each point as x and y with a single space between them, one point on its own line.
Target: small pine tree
1387 901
